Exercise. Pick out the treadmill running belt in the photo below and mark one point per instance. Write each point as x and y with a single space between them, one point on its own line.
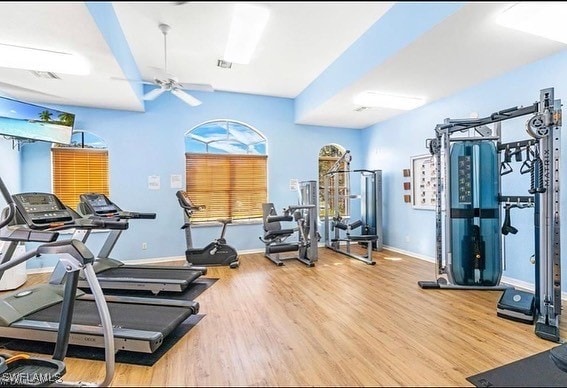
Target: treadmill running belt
150 273
161 319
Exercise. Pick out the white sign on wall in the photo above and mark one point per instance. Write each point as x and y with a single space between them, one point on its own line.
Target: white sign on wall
154 182
175 182
293 184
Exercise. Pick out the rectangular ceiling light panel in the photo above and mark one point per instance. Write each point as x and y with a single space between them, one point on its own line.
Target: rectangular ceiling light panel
18 57
248 23
373 99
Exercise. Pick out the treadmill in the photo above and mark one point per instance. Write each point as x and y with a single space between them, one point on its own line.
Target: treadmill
139 324
114 274
22 369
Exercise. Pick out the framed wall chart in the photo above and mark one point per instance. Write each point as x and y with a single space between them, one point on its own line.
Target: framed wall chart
424 182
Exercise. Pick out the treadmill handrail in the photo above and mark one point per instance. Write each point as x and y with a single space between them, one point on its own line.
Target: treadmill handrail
10 202
9 216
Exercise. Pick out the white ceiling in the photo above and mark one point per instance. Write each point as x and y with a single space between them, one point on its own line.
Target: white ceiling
301 40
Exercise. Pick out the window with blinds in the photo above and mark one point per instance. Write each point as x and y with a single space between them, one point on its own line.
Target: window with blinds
328 156
226 170
230 186
76 171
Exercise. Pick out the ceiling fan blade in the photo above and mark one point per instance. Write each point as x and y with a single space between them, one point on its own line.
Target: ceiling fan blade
199 87
6 86
153 94
133 80
187 98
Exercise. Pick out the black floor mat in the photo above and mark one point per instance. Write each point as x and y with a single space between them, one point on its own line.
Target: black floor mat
194 289
534 371
191 293
125 357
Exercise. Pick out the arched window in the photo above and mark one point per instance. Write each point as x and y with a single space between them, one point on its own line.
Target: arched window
226 170
80 167
328 156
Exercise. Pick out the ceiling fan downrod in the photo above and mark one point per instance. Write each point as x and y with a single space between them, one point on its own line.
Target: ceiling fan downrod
164 29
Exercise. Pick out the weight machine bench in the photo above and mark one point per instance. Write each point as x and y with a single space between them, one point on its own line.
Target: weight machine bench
365 239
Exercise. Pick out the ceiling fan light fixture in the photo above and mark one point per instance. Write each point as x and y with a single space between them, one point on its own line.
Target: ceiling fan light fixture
27 58
528 16
372 99
246 28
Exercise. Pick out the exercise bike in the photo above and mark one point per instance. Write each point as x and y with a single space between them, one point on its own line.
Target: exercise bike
217 252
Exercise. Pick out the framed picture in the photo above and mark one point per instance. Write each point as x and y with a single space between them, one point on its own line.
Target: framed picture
424 182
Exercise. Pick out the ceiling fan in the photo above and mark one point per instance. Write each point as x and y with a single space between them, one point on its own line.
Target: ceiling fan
169 83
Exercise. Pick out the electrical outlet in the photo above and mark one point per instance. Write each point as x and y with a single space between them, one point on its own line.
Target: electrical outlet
144 246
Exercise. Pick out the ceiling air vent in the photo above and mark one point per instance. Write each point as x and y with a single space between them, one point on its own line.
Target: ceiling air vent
45 74
224 64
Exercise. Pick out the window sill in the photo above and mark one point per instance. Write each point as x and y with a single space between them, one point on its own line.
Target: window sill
72 231
199 224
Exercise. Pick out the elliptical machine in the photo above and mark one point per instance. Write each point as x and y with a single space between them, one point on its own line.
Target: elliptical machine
217 252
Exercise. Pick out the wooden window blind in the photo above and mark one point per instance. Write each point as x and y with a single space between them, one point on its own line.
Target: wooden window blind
229 185
77 171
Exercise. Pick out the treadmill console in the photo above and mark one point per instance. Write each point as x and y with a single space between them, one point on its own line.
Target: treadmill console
41 209
98 204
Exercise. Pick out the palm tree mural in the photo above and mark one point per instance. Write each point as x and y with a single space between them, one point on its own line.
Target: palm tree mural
67 119
45 115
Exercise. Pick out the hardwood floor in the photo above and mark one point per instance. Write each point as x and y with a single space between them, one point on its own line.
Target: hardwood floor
340 323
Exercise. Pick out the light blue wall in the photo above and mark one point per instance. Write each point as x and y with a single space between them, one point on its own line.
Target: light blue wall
391 144
152 143
9 167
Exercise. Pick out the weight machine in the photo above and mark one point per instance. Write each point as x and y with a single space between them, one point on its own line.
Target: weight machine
305 217
371 211
468 242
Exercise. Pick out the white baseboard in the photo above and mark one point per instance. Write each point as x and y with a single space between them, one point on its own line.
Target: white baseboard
34 271
520 284
516 283
412 254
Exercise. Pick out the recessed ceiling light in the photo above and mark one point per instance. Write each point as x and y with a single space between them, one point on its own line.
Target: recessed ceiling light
545 19
18 57
248 23
374 99
45 74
